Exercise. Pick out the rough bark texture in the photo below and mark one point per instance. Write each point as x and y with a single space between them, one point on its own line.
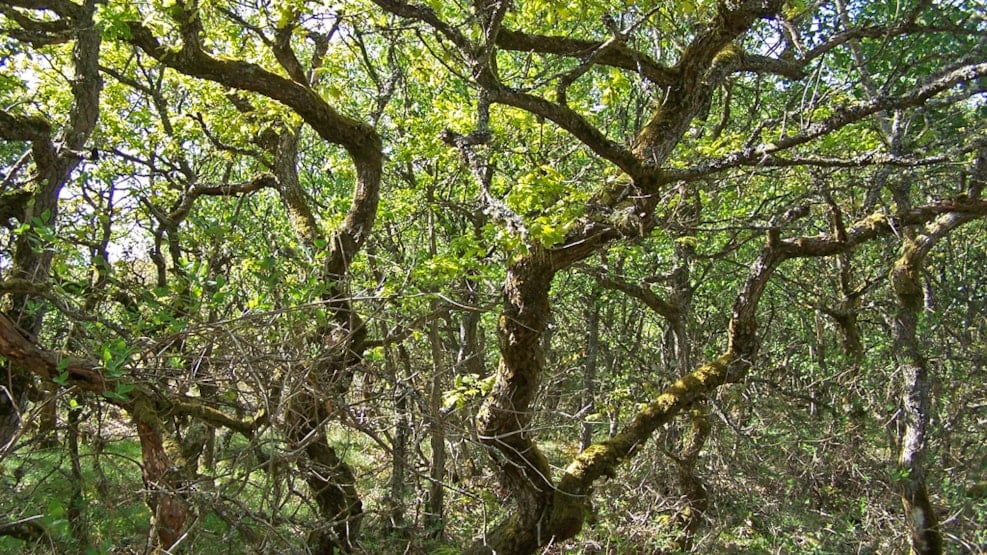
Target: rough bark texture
435 509
359 139
916 382
603 459
543 513
316 401
158 455
161 481
546 513
332 483
916 400
551 512
398 364
55 158
330 478
690 484
168 510
506 414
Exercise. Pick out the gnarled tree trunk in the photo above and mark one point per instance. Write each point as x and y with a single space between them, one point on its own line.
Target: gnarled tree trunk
916 382
331 481
162 480
55 158
503 421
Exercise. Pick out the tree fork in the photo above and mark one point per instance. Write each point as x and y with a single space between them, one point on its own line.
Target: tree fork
602 459
504 418
916 385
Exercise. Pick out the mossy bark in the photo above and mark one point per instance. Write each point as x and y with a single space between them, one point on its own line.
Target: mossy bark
916 398
555 512
603 459
161 479
915 374
54 160
503 421
331 481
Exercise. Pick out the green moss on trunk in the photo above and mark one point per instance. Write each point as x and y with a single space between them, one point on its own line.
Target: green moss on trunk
568 509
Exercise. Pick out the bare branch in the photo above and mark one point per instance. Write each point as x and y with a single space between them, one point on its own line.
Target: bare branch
425 14
574 123
755 155
615 55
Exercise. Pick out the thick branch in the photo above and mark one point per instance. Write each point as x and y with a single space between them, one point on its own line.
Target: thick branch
574 123
197 409
709 58
286 167
24 128
34 129
359 139
286 55
876 225
602 459
12 206
662 307
87 376
16 348
618 55
28 530
766 64
425 14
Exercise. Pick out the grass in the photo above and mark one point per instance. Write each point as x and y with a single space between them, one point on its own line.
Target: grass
38 484
226 510
782 497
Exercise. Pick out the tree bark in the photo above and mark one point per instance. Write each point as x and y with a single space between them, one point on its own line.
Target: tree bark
76 511
161 482
435 509
398 363
545 512
694 492
504 419
548 511
916 382
330 480
916 399
160 456
691 486
55 158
